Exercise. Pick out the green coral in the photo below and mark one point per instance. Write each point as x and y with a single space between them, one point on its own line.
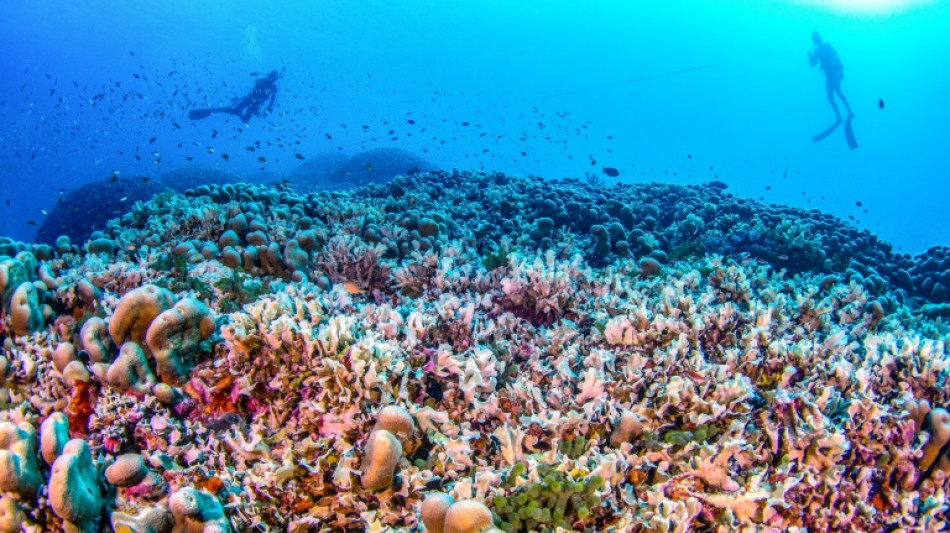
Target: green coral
240 289
557 501
573 448
493 260
683 437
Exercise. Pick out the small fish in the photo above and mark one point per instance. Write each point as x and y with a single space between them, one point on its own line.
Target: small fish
300 156
367 166
858 203
880 103
262 159
352 288
114 179
31 223
611 171
124 198
43 211
226 157
695 376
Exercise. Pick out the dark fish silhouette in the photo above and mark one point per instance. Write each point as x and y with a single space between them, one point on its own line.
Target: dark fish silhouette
611 171
880 103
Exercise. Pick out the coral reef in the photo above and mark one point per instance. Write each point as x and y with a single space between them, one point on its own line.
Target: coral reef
471 352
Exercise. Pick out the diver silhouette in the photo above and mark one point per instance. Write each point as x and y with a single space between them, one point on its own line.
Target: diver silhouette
826 57
830 63
264 91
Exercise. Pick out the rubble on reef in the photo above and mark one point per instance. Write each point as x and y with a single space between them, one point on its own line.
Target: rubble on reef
471 352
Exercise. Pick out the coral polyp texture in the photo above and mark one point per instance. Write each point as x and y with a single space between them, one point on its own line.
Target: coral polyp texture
472 352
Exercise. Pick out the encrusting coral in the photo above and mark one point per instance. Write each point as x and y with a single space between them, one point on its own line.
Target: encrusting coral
472 352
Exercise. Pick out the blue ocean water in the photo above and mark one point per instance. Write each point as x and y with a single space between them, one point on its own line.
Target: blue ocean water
682 92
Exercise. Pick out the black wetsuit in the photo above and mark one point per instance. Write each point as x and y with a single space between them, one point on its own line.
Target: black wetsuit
264 89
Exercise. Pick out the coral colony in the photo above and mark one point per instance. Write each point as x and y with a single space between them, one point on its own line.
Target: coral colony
458 353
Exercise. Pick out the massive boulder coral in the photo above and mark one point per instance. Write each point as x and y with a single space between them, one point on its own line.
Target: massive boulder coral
468 516
95 339
12 517
174 334
130 370
19 469
383 452
156 519
26 315
135 312
197 512
54 435
74 488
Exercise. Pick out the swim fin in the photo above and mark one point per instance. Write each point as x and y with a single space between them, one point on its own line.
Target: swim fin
198 114
826 132
849 134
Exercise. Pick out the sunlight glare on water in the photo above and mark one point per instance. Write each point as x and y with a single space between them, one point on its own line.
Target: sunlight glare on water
866 7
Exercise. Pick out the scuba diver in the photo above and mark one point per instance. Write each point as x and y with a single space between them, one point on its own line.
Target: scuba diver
264 92
827 58
829 63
